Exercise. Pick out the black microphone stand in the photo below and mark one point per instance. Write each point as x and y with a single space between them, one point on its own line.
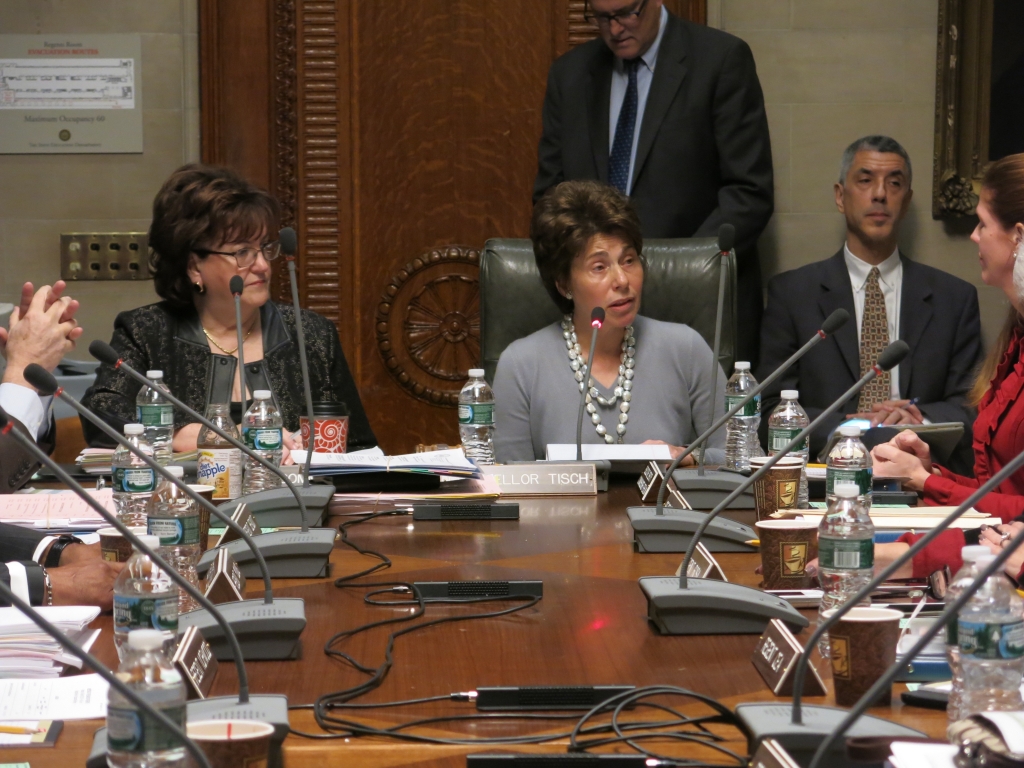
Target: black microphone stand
236 286
596 321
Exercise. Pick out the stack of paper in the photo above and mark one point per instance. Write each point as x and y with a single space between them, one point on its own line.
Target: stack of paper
96 461
28 652
55 510
451 462
452 489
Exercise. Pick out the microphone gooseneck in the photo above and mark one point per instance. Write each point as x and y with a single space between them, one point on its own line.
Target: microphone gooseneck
106 354
890 357
30 445
887 678
237 285
596 321
289 244
92 662
44 381
832 323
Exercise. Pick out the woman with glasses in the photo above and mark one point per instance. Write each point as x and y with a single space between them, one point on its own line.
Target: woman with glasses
209 225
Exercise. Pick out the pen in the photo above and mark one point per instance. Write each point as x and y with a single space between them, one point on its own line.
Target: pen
913 401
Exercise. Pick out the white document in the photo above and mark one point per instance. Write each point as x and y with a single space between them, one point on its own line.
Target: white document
1011 726
914 754
81 697
604 451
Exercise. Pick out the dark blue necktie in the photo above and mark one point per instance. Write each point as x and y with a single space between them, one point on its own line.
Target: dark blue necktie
622 149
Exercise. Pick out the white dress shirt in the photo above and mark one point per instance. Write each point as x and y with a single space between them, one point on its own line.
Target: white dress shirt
27 407
620 82
890 281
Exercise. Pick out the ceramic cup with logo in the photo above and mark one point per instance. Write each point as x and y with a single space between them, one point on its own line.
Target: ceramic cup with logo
779 487
331 421
786 548
862 647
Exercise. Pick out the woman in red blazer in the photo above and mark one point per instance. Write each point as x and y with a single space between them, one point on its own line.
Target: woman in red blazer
999 427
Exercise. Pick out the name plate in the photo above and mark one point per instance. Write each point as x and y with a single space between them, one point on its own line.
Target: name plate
195 661
775 658
243 517
703 565
224 581
544 478
650 481
770 754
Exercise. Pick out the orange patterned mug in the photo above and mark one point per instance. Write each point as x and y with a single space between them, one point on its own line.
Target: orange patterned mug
331 422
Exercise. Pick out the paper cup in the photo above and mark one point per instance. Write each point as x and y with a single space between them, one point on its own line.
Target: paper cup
862 646
114 547
786 548
206 491
331 433
232 743
779 487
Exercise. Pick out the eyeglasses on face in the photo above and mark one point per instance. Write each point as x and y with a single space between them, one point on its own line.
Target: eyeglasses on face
246 257
626 17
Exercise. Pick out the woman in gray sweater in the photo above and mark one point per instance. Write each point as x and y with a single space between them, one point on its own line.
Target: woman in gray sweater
650 381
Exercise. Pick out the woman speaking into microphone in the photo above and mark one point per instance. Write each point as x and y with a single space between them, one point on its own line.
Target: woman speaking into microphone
649 382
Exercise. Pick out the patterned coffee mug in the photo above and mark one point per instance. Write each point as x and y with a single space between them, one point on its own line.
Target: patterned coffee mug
331 422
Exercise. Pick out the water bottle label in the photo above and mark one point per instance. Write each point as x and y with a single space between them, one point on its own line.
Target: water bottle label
183 531
991 641
779 437
146 613
130 730
155 415
128 480
262 439
478 413
750 409
846 554
862 477
221 468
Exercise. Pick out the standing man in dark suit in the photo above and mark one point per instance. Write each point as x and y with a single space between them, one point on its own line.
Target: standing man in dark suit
890 297
672 114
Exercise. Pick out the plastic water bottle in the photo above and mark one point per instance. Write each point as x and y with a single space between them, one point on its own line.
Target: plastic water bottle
174 519
970 556
133 480
156 414
218 462
786 422
849 461
741 440
991 636
135 739
846 551
145 598
476 418
262 428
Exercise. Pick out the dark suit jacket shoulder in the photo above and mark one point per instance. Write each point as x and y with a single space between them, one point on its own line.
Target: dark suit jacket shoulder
939 320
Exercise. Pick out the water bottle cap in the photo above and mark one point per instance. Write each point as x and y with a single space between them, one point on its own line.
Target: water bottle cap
849 430
175 470
149 540
154 374
985 560
145 639
973 553
742 365
846 490
476 373
790 394
261 394
134 429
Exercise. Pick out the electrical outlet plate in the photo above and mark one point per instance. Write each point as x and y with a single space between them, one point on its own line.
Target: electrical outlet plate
104 256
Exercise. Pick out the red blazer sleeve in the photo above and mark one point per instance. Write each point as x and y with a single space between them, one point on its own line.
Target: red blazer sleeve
952 490
943 551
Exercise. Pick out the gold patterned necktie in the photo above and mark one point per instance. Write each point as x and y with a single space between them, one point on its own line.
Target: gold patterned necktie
874 337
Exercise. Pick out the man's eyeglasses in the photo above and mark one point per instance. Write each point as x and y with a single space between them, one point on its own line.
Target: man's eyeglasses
626 17
246 257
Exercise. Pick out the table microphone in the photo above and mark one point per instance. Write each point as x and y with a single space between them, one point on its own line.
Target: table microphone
654 531
270 708
596 321
726 242
289 244
103 671
693 606
814 723
235 285
316 494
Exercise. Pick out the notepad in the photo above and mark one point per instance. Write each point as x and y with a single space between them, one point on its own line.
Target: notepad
45 733
81 697
59 509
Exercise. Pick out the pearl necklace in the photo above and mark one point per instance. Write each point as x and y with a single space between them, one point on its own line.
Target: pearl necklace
623 384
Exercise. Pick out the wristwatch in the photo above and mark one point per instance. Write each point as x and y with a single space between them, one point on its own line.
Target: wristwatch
57 547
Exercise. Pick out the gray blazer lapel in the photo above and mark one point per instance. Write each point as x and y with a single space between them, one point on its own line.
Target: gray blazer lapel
669 73
915 314
838 292
598 104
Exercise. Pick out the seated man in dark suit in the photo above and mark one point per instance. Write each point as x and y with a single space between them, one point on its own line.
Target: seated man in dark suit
888 297
41 331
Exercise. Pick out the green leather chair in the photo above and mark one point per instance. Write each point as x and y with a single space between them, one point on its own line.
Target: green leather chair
681 286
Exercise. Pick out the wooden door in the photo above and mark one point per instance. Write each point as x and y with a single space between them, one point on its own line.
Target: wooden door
399 136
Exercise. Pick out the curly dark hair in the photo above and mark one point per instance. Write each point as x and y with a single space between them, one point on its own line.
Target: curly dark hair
564 221
201 206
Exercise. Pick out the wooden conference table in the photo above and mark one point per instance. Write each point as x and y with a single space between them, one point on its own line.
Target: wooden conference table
590 628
